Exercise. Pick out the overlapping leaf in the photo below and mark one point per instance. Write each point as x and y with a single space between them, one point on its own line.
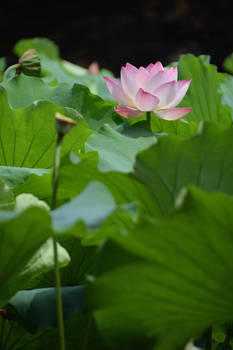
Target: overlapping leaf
205 160
203 95
28 136
7 199
23 91
77 172
20 238
56 70
167 281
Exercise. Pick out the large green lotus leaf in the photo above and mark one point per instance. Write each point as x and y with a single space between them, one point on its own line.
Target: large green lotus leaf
77 172
92 215
21 235
93 109
41 45
205 160
203 95
36 308
91 206
40 186
14 176
38 267
28 136
168 280
96 83
82 262
80 332
226 88
7 199
23 91
43 260
181 128
116 151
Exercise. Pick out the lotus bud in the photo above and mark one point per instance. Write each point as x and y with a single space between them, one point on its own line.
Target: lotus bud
63 124
29 63
94 68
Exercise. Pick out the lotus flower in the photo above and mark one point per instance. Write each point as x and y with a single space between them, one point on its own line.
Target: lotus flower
149 89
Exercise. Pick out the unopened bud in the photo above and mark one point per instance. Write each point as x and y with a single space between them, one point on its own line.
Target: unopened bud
94 69
64 124
30 63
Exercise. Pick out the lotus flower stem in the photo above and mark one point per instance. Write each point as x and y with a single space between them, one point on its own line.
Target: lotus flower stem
208 344
56 263
148 117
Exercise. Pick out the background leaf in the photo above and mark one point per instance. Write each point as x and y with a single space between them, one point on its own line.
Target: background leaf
7 199
23 91
36 308
24 139
92 206
14 176
116 151
168 280
203 95
56 70
204 160
21 235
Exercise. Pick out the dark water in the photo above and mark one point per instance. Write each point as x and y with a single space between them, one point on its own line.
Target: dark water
139 32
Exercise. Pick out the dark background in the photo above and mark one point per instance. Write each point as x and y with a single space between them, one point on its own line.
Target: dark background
120 31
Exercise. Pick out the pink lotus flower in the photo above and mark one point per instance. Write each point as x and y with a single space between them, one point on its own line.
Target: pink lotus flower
149 89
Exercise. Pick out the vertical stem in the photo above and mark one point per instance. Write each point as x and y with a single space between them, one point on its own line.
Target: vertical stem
56 171
56 263
148 117
226 343
208 343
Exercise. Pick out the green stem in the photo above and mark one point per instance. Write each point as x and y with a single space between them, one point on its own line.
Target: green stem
56 171
148 116
208 344
226 343
148 119
56 263
14 66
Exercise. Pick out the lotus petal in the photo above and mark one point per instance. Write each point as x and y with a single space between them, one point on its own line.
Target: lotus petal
145 101
160 78
172 113
171 93
129 82
115 89
128 112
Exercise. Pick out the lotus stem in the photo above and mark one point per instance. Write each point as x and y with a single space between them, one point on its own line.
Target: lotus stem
148 118
208 344
60 318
